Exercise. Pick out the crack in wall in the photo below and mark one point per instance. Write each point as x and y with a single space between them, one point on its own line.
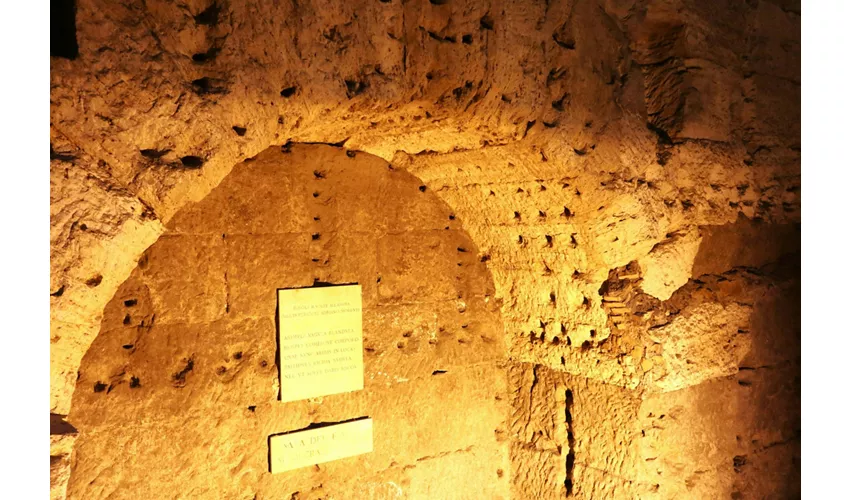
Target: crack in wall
571 457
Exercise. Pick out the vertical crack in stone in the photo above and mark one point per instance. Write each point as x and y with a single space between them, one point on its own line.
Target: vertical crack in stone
531 393
226 294
226 278
571 457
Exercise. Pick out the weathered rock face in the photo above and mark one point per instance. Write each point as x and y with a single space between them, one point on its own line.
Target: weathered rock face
627 171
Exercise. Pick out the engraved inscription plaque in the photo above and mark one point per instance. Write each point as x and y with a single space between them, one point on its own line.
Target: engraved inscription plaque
321 341
323 444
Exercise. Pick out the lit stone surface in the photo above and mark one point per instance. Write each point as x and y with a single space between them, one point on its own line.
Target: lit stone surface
563 144
427 354
669 265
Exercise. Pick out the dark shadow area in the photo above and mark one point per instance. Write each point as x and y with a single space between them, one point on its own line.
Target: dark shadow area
58 425
63 29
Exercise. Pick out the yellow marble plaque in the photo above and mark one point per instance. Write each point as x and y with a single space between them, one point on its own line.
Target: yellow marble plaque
317 446
321 341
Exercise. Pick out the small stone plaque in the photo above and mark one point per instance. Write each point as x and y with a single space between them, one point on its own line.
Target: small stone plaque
317 446
321 341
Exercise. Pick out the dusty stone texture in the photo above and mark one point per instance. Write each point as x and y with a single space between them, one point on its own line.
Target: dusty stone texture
704 343
96 229
188 343
734 433
61 448
669 265
716 412
62 438
560 94
573 142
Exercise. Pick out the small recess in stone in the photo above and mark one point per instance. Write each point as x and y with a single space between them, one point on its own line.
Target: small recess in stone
207 85
486 22
567 43
355 87
209 16
153 154
192 162
202 57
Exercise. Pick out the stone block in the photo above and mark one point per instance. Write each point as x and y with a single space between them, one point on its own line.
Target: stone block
417 266
258 265
174 369
186 277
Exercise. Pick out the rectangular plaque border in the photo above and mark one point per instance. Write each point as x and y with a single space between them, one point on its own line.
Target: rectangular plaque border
277 360
315 425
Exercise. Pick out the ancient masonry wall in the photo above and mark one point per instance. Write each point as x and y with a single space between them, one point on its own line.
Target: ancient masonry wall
627 171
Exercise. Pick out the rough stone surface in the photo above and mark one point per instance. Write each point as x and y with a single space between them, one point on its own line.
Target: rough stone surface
628 172
669 265
62 438
188 343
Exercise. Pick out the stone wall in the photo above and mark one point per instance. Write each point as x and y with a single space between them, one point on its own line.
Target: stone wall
183 373
647 151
